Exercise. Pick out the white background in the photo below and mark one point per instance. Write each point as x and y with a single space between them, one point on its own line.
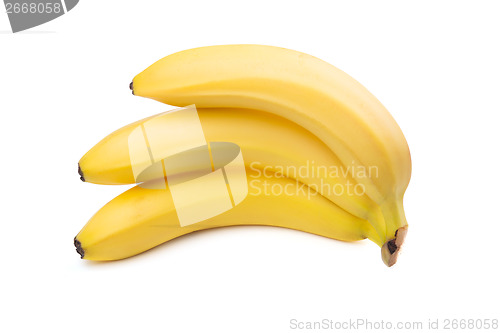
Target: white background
64 86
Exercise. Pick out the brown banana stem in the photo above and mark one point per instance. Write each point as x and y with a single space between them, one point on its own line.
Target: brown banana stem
391 249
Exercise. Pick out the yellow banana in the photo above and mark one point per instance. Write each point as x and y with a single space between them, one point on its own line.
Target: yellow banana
141 218
306 90
269 143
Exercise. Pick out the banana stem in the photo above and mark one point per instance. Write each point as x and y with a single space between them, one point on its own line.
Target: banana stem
376 220
396 230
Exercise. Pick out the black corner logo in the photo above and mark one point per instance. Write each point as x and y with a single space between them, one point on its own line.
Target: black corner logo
26 14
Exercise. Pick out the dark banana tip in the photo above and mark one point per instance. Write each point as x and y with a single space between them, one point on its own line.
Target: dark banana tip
391 249
80 172
131 86
79 248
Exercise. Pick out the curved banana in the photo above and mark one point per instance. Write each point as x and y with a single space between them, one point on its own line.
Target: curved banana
306 90
141 218
269 143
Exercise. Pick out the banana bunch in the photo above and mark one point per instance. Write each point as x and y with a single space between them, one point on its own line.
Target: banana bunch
300 123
